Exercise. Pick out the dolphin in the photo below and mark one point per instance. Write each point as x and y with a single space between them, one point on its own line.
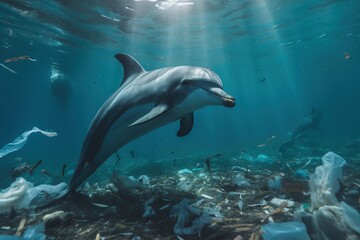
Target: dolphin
145 101
307 124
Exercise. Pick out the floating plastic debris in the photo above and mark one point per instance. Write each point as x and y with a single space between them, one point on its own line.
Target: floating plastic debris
25 57
9 69
322 35
20 141
263 158
21 194
347 55
284 231
289 43
277 202
332 219
185 225
144 180
184 172
267 141
275 183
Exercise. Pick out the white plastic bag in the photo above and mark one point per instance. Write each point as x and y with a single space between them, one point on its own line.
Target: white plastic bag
20 141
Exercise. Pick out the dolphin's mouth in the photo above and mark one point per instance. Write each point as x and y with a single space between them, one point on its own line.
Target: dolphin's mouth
227 100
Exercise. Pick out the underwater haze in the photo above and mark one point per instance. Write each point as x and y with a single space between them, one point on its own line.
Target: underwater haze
279 59
291 65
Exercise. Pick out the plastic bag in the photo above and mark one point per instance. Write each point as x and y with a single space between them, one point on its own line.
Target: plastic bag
22 194
20 141
331 220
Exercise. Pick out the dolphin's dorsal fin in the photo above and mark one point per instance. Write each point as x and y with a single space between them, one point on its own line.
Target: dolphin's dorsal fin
186 124
132 68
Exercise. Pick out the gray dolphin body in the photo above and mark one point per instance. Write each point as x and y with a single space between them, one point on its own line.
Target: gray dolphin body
147 100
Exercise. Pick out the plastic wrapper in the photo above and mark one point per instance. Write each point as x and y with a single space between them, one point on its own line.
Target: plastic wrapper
20 141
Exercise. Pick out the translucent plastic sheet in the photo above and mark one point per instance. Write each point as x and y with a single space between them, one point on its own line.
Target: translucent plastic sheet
20 141
22 194
332 219
325 181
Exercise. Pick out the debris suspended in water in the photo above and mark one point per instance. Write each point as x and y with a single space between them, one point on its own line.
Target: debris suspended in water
208 163
347 55
21 226
20 141
25 57
44 171
267 141
35 166
132 154
63 170
322 35
20 169
9 69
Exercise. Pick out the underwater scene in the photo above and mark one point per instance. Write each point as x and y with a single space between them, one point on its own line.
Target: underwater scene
180 119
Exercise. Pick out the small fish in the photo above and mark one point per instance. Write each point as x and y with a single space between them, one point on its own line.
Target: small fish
63 170
263 80
172 153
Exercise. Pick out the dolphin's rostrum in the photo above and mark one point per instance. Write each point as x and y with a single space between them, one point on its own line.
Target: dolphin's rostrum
147 100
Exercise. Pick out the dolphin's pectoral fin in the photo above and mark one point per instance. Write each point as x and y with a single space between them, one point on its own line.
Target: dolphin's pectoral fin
154 113
186 124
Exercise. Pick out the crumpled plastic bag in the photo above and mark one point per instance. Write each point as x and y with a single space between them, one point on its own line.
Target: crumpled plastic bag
21 194
20 141
325 181
331 220
186 213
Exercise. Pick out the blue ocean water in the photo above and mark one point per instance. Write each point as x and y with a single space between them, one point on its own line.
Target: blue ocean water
277 58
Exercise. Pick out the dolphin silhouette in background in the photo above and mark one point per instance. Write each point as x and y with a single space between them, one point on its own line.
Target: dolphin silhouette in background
306 124
145 101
